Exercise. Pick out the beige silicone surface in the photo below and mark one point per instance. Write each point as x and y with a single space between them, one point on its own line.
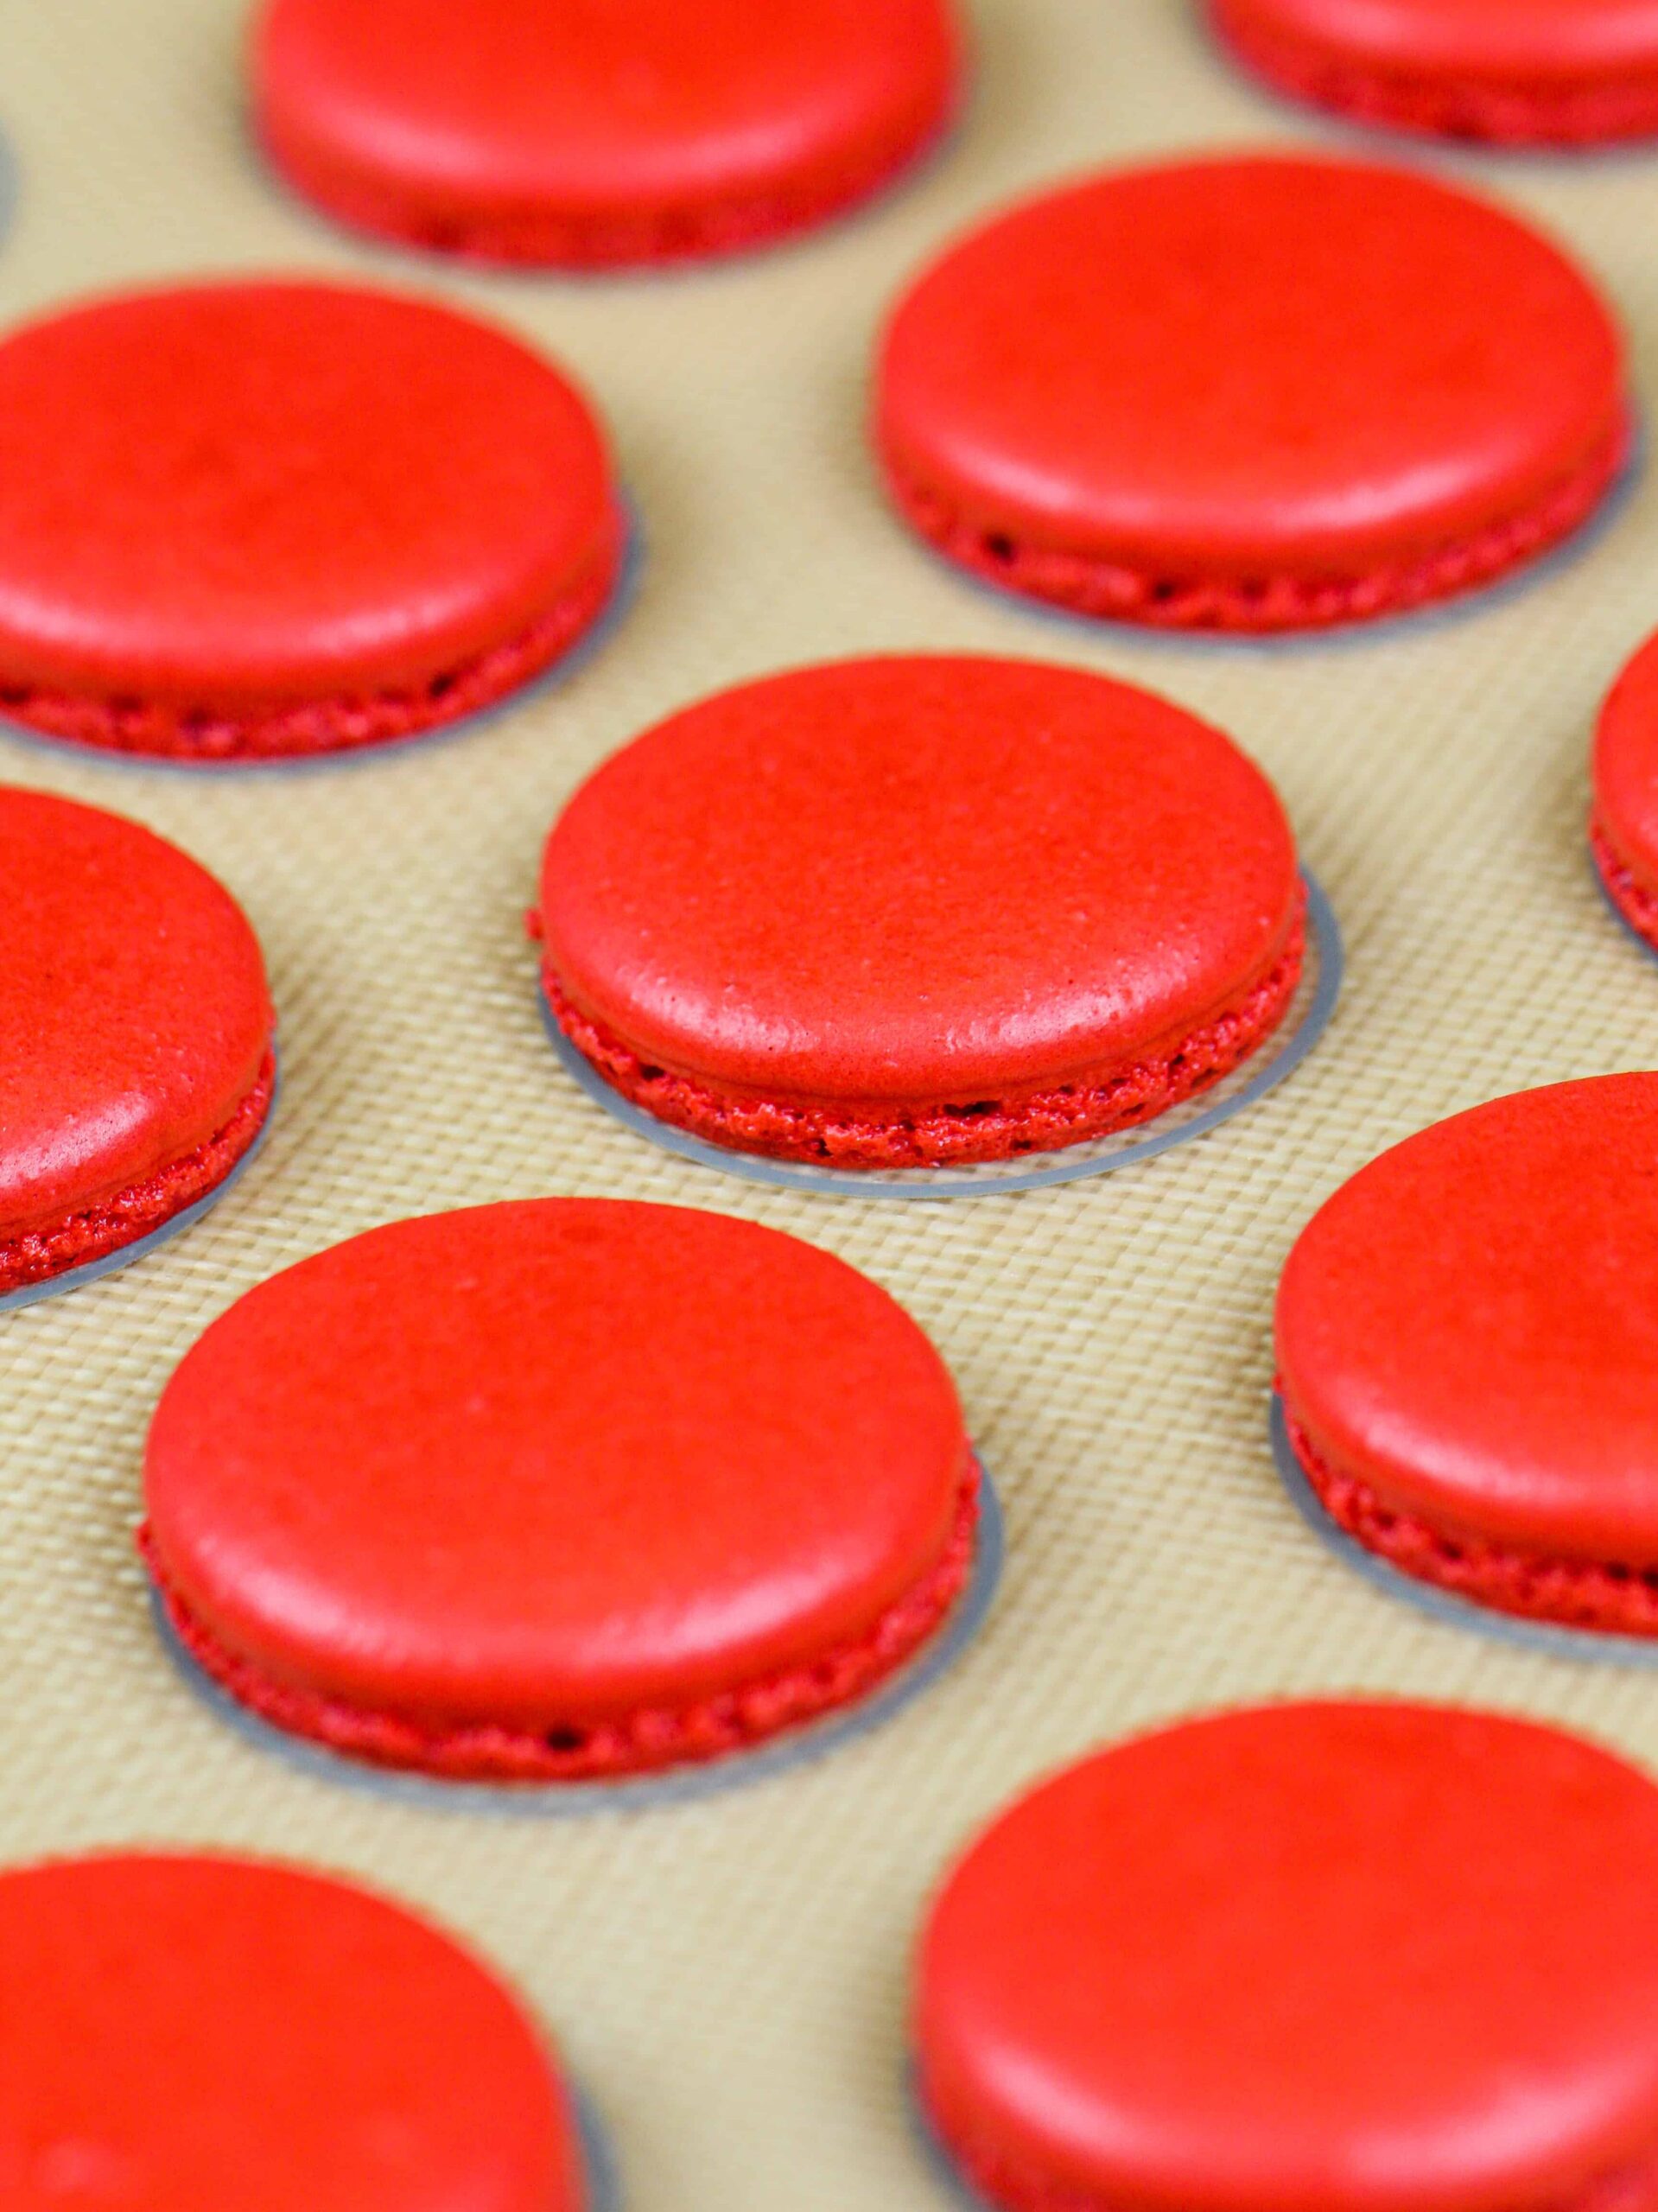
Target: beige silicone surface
729 1976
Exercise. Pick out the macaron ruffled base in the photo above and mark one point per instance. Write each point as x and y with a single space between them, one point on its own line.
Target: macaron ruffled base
1633 901
940 1134
1087 583
302 729
93 1233
532 237
642 1742
1493 111
1611 1599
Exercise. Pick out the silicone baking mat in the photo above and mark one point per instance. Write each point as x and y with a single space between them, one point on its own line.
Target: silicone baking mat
728 1975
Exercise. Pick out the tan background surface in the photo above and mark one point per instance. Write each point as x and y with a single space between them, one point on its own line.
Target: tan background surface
728 1977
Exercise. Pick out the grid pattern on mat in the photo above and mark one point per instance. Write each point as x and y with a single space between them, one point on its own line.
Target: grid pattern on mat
728 1975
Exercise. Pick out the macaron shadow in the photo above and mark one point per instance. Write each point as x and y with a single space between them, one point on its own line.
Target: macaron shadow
600 2171
33 1293
678 1785
1311 1012
1590 1645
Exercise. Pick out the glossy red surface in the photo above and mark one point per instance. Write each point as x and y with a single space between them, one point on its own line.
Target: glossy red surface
940 880
1516 71
135 1017
546 1466
586 131
1470 1327
239 504
1625 770
180 2035
1320 1958
1251 391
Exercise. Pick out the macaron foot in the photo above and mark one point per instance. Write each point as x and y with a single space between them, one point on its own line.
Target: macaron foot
1258 605
644 1742
1573 1593
537 238
315 728
1491 112
93 1233
1633 901
943 1135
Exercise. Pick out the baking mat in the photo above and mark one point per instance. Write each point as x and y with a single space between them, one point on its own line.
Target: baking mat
728 1975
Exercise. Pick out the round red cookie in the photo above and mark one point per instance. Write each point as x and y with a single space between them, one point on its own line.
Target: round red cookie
583 133
137 1060
896 913
1468 1354
182 2033
1255 393
1309 1958
1515 73
559 1491
258 519
1623 826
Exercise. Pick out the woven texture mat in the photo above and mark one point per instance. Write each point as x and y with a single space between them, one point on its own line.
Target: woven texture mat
729 1976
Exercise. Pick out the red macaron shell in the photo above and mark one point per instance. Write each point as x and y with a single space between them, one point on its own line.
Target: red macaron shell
583 132
272 518
558 1489
1320 1958
1514 71
1623 829
1468 1352
136 1025
875 891
1250 392
185 2034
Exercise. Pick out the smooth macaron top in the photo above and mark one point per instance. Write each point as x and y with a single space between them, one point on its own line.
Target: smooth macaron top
1316 1958
553 1461
1561 41
184 2034
1626 768
917 878
134 1011
1470 1327
443 118
233 495
1250 365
